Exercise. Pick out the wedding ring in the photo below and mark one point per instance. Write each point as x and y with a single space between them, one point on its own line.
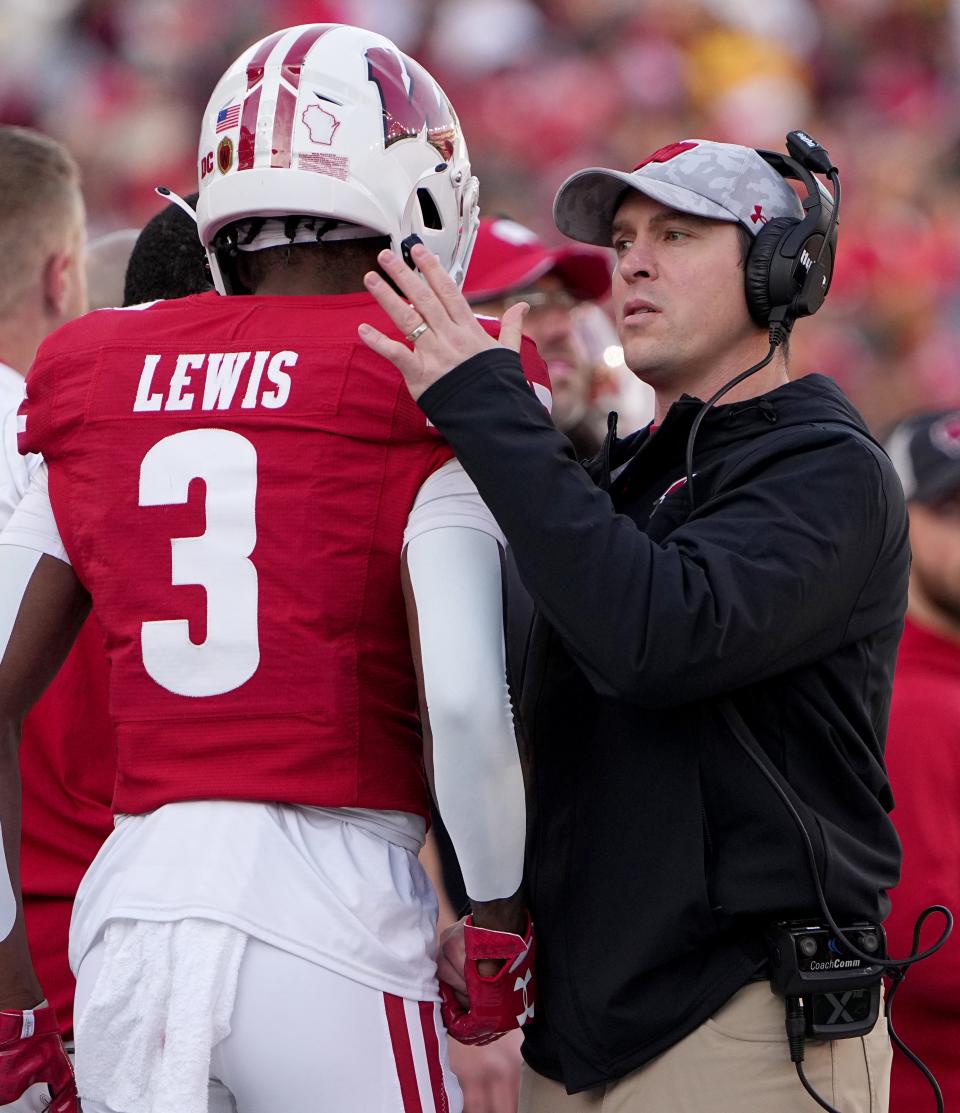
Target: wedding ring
414 336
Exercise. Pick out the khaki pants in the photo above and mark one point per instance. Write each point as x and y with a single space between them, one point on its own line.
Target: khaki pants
736 1062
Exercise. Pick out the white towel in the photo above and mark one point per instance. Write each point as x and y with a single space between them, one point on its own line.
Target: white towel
162 1001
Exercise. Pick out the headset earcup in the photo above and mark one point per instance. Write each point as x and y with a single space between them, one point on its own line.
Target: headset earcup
761 298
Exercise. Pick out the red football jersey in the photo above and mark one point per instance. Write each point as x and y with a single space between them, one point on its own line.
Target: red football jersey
67 767
231 478
923 763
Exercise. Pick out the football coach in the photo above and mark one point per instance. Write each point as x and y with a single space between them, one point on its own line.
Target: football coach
719 599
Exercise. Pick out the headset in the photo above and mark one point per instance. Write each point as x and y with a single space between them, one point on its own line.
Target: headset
790 265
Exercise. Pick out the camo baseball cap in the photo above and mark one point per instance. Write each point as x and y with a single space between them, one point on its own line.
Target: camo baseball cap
720 181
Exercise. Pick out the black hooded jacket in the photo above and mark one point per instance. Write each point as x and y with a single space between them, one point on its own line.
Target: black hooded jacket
657 850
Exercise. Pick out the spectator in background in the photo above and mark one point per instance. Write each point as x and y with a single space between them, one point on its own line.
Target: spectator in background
168 260
923 755
510 264
615 387
42 286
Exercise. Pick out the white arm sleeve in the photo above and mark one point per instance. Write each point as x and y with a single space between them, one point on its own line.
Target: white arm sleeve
450 498
16 568
32 525
455 574
8 903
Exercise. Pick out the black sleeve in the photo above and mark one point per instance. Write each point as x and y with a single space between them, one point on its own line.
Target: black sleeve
760 580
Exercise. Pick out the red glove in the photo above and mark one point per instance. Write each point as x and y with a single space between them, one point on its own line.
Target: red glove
31 1051
498 1004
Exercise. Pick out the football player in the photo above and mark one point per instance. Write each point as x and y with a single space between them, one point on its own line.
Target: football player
66 771
286 562
168 260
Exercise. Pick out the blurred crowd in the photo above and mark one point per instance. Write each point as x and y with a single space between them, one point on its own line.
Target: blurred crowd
544 87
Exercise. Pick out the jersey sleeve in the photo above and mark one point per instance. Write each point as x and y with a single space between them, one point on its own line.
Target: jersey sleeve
450 498
32 525
35 419
536 373
15 470
534 368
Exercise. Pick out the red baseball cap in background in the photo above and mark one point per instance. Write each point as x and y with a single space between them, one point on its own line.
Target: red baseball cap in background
508 257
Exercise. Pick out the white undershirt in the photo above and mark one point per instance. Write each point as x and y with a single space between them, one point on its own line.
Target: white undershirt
340 887
15 470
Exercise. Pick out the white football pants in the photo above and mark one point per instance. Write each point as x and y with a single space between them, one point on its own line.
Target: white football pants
306 1040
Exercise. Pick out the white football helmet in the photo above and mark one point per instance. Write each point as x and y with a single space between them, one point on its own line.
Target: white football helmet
333 121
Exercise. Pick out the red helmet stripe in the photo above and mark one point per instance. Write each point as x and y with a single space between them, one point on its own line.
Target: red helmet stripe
297 54
286 100
248 130
259 60
246 147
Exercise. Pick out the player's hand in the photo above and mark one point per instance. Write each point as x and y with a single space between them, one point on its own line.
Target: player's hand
489 1076
496 1004
31 1052
453 334
452 959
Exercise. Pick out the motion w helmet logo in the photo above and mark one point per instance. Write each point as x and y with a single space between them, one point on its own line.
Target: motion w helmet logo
411 101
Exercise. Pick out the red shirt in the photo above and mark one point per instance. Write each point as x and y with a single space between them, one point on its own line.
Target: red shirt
923 761
231 478
67 767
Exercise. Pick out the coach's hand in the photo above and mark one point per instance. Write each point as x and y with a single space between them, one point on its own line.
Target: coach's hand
31 1052
495 1004
436 319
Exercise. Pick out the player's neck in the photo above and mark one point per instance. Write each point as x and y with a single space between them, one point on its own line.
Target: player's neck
284 284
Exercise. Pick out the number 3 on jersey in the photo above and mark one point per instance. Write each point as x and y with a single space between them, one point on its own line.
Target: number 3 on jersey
218 560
